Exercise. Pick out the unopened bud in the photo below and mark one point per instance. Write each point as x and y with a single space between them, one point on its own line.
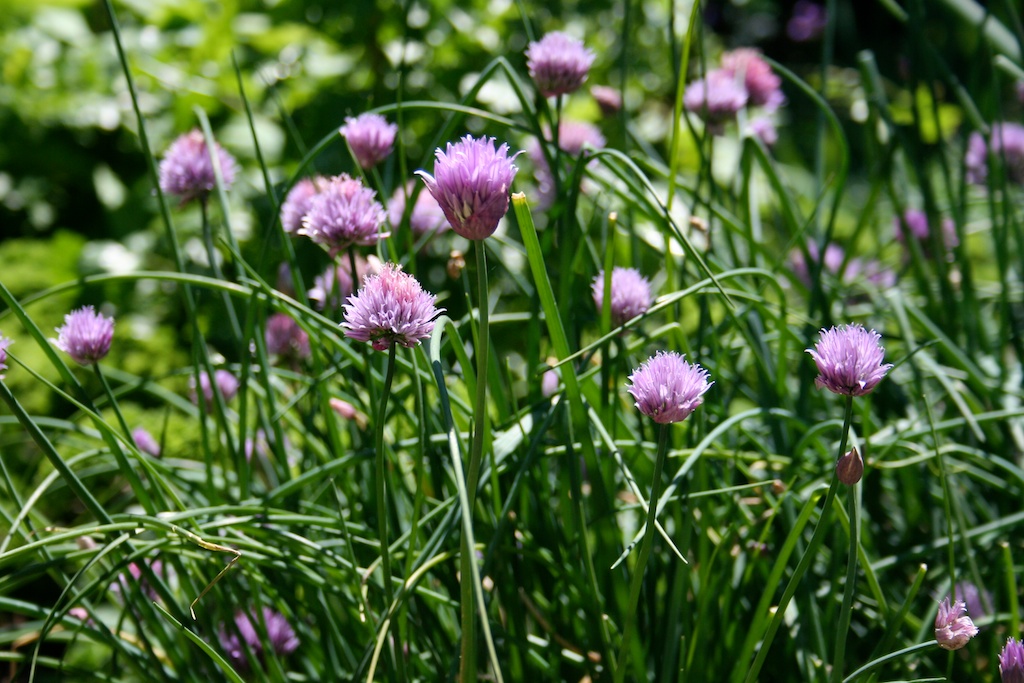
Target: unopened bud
347 411
456 263
85 543
850 467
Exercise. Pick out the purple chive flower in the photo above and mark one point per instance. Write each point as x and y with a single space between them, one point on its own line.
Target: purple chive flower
558 63
260 445
716 98
849 360
875 273
953 628
390 307
764 87
323 290
85 335
426 215
471 184
549 382
764 129
344 213
1007 143
631 294
370 137
135 576
607 98
145 442
226 382
285 337
832 263
280 635
1011 662
4 343
574 138
296 204
916 223
978 601
807 22
187 172
667 388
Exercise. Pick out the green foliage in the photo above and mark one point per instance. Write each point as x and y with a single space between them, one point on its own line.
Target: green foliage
479 525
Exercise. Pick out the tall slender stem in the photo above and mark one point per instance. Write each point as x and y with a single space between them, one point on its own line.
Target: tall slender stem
211 254
381 484
122 460
483 342
483 347
817 537
645 551
851 566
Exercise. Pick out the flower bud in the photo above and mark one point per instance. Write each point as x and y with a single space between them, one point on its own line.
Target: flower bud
456 264
850 467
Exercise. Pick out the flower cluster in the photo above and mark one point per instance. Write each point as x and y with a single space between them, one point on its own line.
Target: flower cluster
608 99
716 98
558 63
574 138
370 137
296 204
336 282
763 86
838 266
281 636
135 576
425 216
391 307
743 79
471 183
85 336
1005 144
978 600
226 382
667 388
186 170
807 22
953 628
1011 662
342 214
849 360
631 294
284 337
4 343
915 222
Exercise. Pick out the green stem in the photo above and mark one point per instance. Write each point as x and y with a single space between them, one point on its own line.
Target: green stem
122 461
211 253
480 405
113 403
468 662
645 550
382 506
851 566
805 560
